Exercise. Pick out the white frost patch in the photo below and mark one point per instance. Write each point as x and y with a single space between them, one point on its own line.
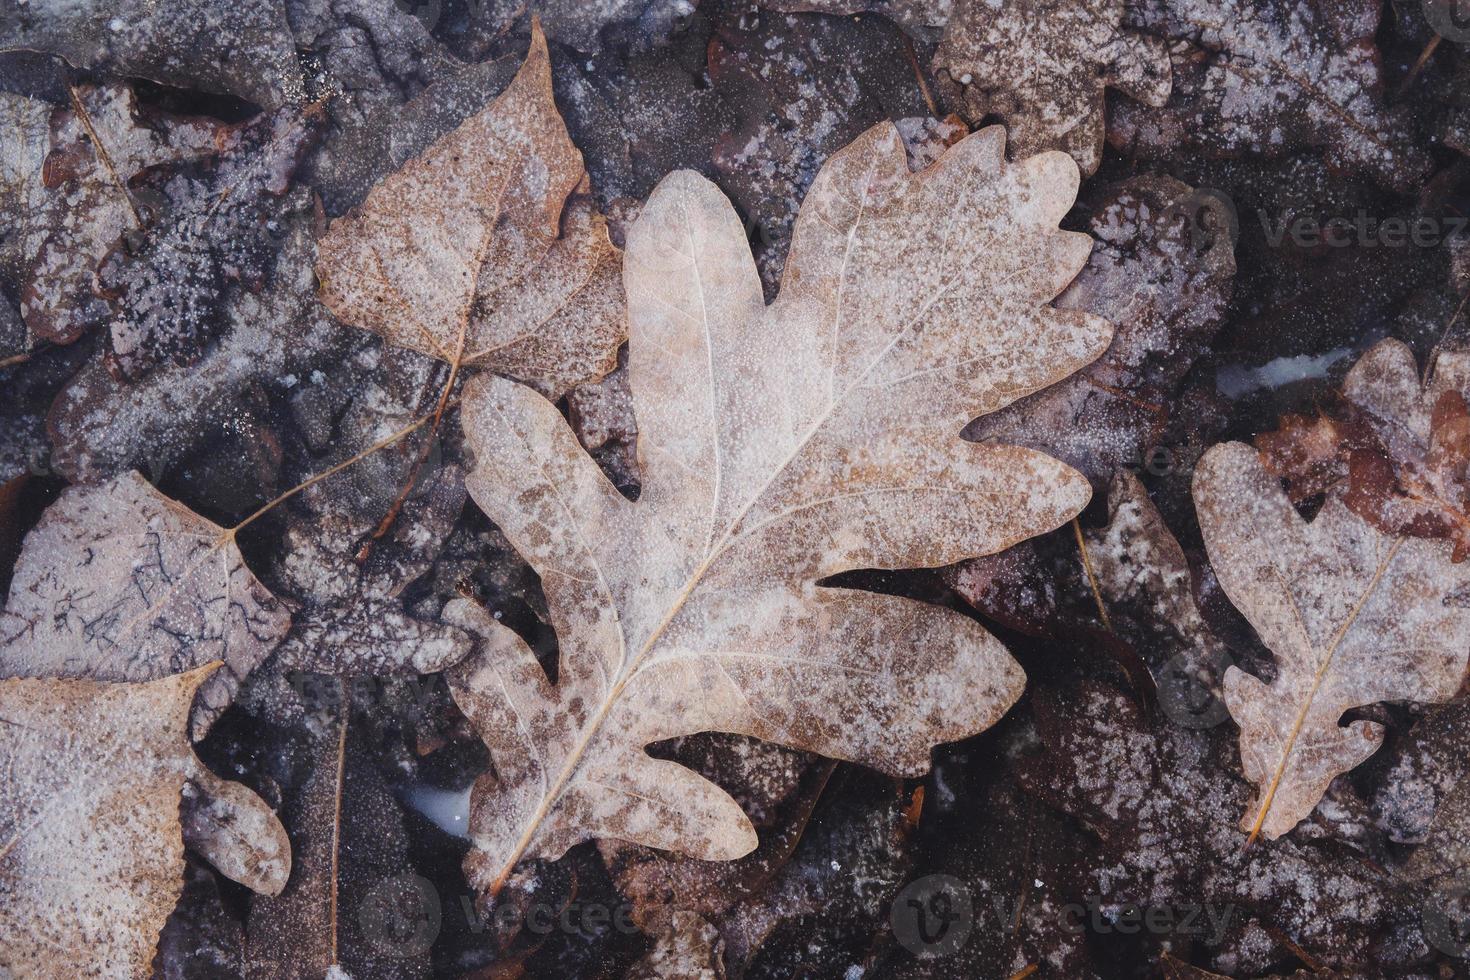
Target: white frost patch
448 809
1234 380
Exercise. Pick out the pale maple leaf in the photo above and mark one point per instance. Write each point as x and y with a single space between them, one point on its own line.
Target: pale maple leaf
1354 616
92 857
778 446
121 583
487 249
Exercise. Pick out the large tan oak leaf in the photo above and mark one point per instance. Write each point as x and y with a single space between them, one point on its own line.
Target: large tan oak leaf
487 250
1353 615
778 445
91 846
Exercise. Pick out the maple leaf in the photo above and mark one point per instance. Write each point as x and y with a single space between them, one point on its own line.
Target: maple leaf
120 583
90 815
1272 77
778 445
486 250
1353 615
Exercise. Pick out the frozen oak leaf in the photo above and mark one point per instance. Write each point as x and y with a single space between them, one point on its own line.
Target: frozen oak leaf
778 445
1354 616
93 860
487 244
1042 67
1273 77
120 583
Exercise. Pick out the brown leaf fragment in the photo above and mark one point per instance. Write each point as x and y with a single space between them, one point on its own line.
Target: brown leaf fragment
1397 451
1353 615
486 245
1042 66
690 948
120 583
93 858
779 445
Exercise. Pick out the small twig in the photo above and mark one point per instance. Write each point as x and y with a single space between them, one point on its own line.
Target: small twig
337 812
1024 972
1102 609
1424 57
908 48
100 149
1433 360
331 471
13 361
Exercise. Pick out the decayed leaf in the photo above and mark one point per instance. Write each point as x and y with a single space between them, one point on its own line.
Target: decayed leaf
1398 455
120 583
779 445
1353 615
487 245
1272 77
101 427
205 226
75 199
244 49
89 810
1042 66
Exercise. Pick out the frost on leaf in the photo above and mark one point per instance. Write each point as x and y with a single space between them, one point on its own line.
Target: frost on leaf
76 200
1273 77
1354 616
205 224
1396 450
488 243
120 583
90 814
1042 67
778 445
242 49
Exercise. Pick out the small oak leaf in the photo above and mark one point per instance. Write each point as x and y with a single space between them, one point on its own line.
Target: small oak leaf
92 858
1354 616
